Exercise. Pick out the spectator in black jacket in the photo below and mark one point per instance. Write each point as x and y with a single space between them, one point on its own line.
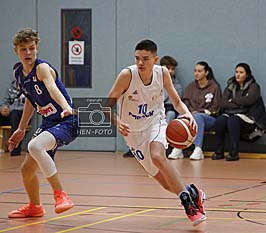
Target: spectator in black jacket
243 111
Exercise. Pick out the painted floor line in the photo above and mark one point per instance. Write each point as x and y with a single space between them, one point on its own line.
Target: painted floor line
105 220
51 219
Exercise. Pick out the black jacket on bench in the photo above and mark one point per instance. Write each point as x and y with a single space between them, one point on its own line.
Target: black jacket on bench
246 101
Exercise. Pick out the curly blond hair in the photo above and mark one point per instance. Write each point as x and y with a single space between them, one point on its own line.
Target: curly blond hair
25 35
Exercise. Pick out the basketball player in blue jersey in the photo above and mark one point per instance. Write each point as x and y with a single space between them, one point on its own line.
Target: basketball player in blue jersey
139 90
44 91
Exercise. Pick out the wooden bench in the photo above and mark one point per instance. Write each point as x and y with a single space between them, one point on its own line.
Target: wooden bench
5 133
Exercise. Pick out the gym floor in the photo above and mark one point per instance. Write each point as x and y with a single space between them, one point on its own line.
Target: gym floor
113 194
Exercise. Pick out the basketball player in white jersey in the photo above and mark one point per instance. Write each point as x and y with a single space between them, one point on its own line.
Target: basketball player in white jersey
141 120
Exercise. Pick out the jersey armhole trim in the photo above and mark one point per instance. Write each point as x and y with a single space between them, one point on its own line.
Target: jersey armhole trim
130 80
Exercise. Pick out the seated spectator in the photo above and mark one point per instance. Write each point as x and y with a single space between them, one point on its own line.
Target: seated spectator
170 63
243 111
11 110
170 113
202 97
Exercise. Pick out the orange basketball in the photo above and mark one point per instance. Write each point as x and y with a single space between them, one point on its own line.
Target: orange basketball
180 134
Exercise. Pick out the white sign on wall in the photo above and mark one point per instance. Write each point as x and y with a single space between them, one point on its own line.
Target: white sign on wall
76 53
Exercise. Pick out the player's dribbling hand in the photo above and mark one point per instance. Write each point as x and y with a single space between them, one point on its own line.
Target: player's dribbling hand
192 121
124 129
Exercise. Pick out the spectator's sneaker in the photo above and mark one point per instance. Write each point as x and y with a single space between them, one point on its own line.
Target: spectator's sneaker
128 154
232 157
197 196
15 152
197 154
27 211
176 154
62 202
168 150
195 216
217 156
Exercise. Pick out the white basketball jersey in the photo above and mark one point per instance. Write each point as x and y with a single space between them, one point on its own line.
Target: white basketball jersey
141 105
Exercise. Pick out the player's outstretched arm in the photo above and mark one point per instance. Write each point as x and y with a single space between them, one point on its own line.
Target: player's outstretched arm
48 77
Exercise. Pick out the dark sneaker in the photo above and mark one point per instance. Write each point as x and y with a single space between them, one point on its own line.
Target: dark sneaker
15 152
192 212
232 157
217 156
128 154
197 196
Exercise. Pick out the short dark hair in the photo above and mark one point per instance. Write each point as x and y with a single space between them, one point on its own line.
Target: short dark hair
147 45
168 61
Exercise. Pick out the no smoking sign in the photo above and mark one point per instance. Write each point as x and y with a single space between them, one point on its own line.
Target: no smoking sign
76 49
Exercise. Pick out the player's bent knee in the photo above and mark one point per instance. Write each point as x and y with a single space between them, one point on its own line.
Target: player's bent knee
157 159
34 147
42 158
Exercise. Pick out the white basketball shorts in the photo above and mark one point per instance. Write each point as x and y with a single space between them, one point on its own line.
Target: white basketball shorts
139 144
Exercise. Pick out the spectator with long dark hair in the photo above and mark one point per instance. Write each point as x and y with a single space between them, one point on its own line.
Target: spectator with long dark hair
243 111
